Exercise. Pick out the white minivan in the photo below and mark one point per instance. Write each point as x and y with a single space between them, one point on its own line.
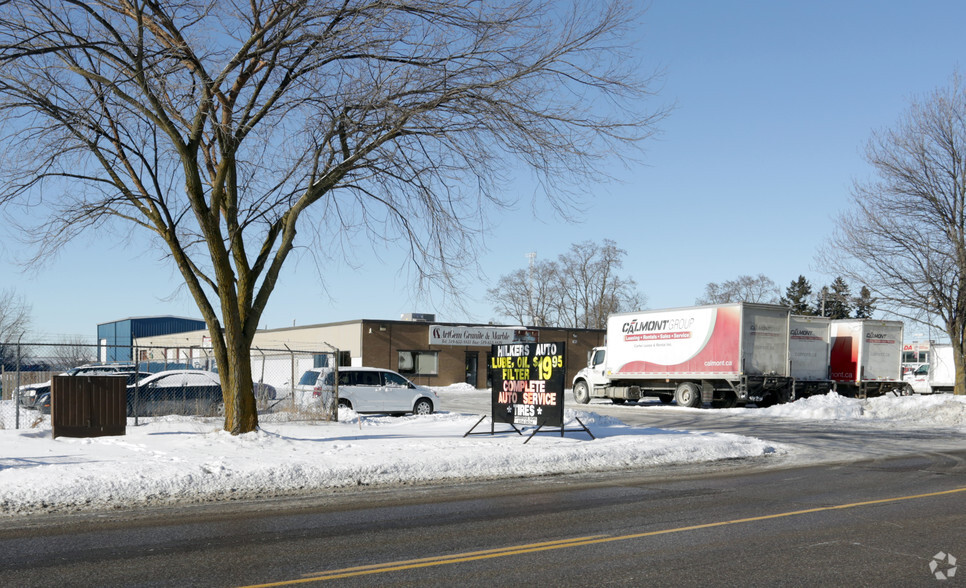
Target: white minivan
377 390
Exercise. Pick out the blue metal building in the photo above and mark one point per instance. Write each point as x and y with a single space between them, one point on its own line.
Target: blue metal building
114 339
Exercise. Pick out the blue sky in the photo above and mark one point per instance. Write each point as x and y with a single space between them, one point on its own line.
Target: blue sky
774 102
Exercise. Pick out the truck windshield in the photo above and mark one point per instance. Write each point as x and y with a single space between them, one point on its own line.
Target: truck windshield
598 357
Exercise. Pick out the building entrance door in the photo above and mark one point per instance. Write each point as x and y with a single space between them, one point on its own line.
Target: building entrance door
472 367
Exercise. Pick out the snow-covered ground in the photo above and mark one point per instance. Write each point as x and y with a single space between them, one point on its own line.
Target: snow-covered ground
181 460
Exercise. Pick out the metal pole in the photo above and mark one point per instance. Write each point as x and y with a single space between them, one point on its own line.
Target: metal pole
291 355
261 378
333 411
17 403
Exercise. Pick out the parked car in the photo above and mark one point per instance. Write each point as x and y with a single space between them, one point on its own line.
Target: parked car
376 390
264 391
303 391
43 400
185 392
30 394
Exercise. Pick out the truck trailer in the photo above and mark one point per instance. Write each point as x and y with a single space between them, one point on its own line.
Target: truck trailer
809 346
942 369
866 358
724 354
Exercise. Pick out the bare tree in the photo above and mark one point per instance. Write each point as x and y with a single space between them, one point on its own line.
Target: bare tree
528 296
758 288
904 236
224 127
14 322
590 287
578 290
71 352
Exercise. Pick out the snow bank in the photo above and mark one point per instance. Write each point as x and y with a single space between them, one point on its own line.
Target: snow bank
176 460
938 410
179 459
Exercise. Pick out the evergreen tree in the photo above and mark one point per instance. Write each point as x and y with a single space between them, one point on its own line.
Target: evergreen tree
835 301
796 297
864 304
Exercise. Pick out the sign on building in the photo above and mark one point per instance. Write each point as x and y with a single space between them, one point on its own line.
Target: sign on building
479 336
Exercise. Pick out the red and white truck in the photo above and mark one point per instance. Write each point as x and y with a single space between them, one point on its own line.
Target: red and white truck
809 346
866 357
725 354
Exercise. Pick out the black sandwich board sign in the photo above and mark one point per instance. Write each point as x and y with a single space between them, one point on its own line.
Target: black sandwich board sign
528 384
528 388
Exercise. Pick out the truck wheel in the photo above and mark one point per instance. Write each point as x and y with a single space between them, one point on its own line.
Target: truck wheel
729 400
768 400
581 392
688 395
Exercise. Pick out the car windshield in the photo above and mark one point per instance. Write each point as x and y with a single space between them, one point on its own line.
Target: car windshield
309 378
396 380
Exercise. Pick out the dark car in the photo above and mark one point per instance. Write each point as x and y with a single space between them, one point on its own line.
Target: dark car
264 392
184 392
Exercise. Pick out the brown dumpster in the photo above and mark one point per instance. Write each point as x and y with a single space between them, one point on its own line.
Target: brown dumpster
88 406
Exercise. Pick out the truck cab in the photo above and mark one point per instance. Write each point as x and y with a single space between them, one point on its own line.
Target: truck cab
592 375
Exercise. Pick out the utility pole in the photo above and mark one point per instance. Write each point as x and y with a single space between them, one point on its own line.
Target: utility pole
532 256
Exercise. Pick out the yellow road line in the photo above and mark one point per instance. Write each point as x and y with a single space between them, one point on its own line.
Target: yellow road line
441 558
573 542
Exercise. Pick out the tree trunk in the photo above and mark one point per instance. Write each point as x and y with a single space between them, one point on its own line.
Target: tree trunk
959 389
233 355
956 338
241 414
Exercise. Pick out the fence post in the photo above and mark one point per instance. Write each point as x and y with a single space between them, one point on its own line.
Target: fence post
16 405
261 379
137 385
333 410
291 355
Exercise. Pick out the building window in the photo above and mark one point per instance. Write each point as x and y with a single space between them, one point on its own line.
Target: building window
324 360
419 363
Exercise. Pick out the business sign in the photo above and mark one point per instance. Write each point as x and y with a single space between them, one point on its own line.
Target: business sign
528 384
479 336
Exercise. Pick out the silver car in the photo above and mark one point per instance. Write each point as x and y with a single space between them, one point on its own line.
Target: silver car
376 390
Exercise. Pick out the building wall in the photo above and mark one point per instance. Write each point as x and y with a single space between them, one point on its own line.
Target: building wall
115 338
378 343
346 336
383 340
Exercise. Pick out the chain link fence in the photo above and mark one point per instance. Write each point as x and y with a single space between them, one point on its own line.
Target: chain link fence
161 380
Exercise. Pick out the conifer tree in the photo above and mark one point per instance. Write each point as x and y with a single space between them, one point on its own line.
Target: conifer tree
797 295
864 304
835 301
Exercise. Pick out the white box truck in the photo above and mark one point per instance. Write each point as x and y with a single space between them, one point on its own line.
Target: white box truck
809 345
725 354
866 357
942 369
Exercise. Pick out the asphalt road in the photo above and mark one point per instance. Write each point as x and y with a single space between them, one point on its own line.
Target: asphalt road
876 520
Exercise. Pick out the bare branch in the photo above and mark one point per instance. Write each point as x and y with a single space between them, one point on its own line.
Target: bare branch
226 127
